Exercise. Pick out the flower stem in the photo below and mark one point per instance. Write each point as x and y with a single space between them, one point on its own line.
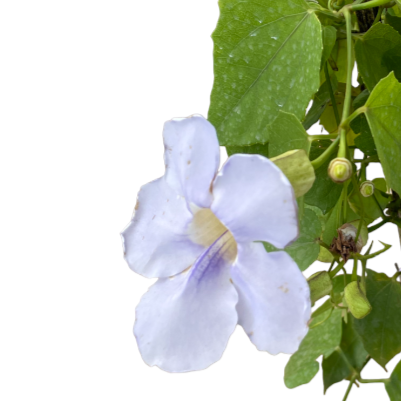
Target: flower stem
318 162
378 225
337 269
355 270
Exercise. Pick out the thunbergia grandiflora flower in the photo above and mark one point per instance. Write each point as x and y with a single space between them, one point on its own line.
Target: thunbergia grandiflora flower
194 229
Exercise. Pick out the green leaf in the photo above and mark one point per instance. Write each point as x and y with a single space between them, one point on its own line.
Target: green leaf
305 250
321 340
320 102
383 111
393 386
287 133
394 21
329 37
364 141
266 58
378 52
361 99
258 149
332 223
334 367
381 329
324 192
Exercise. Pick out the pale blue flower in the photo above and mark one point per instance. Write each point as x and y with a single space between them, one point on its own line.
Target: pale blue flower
194 229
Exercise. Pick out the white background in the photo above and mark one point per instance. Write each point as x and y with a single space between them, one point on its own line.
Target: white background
85 89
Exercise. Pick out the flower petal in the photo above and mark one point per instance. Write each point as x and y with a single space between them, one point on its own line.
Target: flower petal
255 201
156 242
184 323
192 157
274 305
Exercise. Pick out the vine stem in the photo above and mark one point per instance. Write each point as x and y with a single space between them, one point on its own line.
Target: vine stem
342 151
319 137
364 6
378 225
351 383
356 113
337 269
373 380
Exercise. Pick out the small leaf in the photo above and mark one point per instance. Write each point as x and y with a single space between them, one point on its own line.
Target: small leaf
393 386
381 329
321 340
329 37
383 111
296 166
332 224
328 119
340 56
394 21
320 101
378 52
305 250
334 367
325 256
324 192
364 141
267 57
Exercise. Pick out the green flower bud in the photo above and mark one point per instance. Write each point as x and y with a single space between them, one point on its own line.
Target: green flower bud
355 296
340 169
320 285
296 166
367 189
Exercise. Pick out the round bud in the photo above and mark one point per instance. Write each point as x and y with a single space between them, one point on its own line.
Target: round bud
340 169
367 189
